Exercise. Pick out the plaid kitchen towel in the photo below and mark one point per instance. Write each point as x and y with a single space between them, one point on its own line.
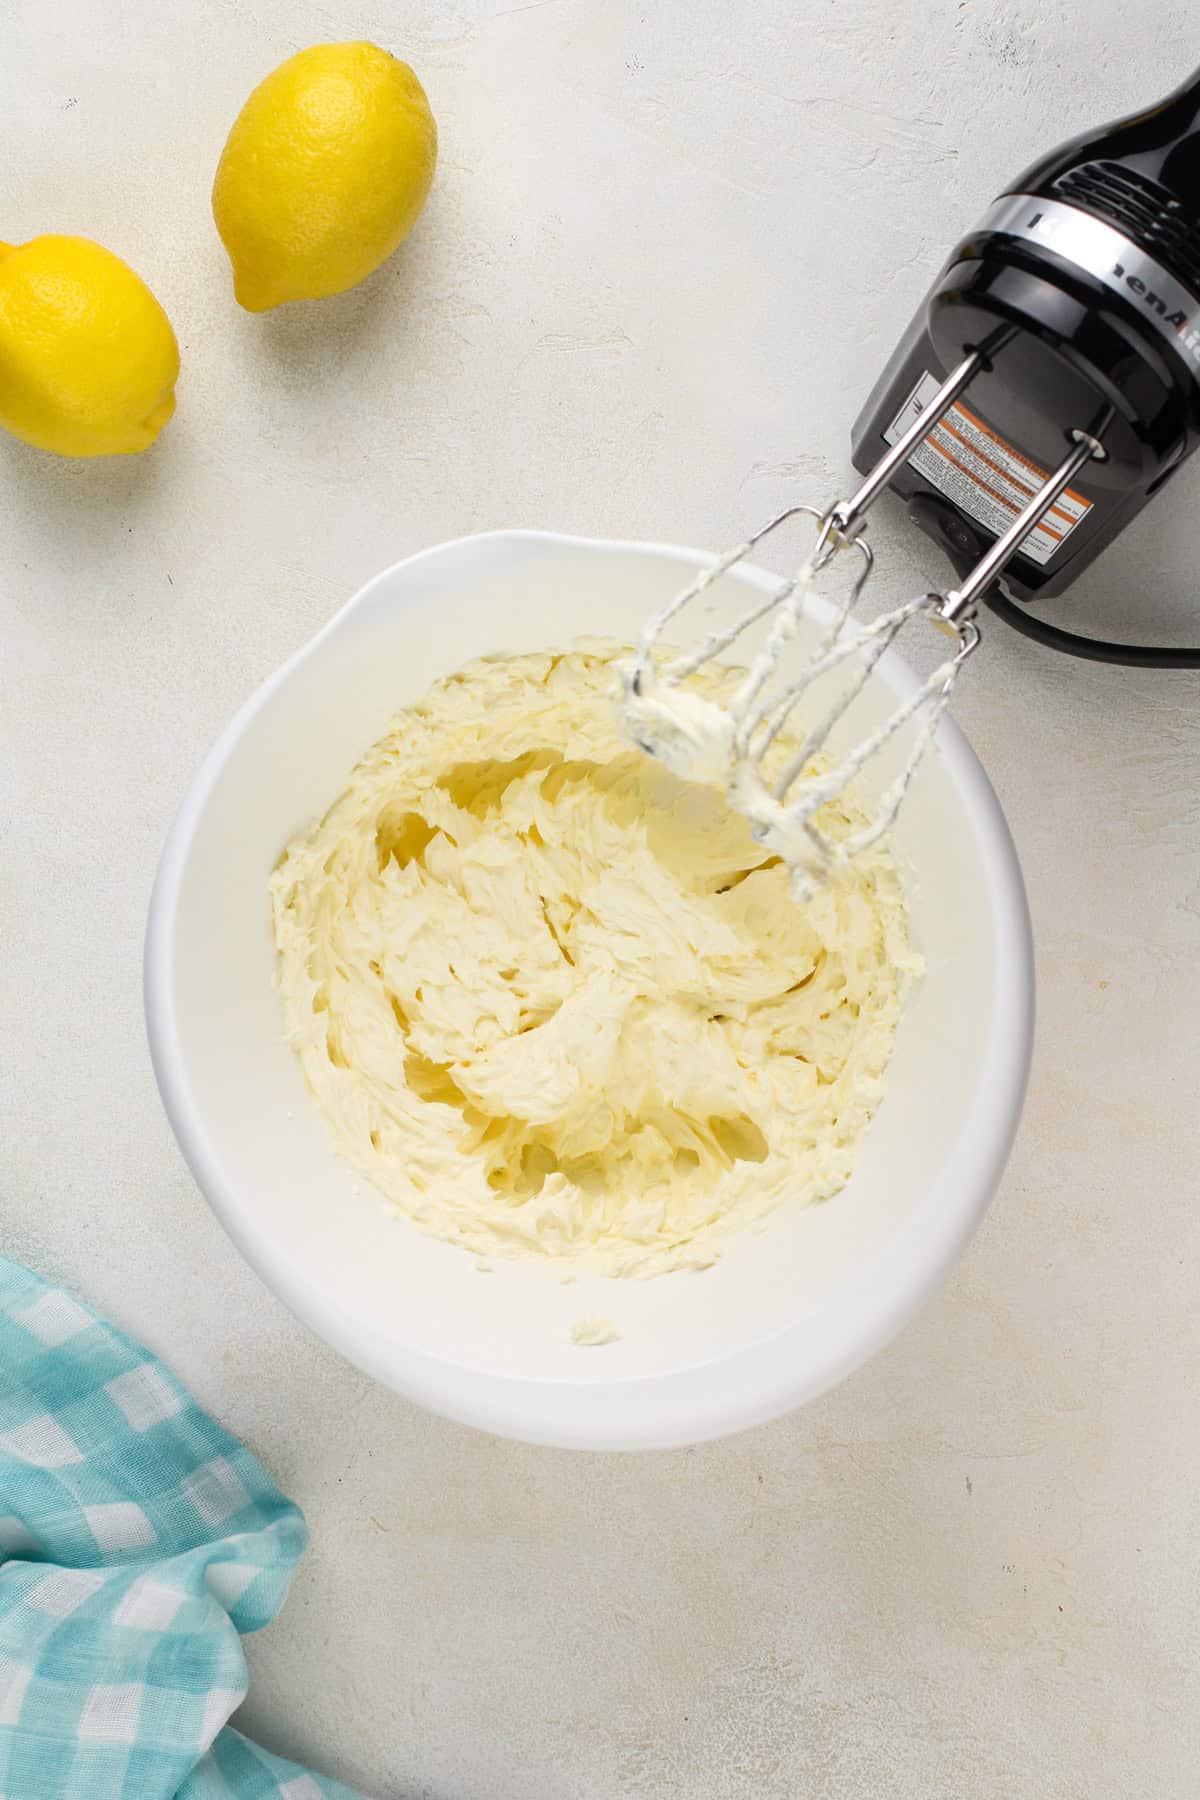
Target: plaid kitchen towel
137 1540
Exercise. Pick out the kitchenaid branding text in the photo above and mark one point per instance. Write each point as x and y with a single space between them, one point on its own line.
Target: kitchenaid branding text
1109 257
1189 334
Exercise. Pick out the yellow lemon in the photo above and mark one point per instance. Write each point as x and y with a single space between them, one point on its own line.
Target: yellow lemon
325 171
88 360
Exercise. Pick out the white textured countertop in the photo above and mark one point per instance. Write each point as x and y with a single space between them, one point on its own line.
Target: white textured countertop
668 248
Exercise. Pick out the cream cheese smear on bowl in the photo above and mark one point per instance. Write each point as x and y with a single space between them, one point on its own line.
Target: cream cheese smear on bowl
554 1001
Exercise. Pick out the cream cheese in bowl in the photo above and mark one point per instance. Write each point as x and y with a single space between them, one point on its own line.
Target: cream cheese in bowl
794 1300
552 1000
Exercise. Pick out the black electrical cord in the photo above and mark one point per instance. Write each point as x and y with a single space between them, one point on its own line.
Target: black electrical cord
1131 656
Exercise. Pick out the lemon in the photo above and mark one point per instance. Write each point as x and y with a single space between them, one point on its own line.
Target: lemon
88 360
325 171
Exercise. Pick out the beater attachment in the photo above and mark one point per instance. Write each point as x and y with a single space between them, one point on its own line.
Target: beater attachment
778 783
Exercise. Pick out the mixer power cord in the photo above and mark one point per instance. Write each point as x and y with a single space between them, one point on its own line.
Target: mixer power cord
1132 656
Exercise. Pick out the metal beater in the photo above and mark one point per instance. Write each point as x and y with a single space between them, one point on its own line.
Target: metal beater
1071 318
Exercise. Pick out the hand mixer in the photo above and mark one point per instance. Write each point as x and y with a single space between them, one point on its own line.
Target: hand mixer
1047 388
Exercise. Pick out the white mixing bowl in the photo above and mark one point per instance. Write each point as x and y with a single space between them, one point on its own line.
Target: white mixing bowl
790 1309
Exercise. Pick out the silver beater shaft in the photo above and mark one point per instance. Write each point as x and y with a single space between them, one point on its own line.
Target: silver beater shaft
961 601
703 739
846 516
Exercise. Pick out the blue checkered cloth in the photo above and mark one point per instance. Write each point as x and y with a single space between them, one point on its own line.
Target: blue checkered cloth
137 1540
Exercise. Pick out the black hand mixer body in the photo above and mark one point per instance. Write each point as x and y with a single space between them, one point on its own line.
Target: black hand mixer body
1076 304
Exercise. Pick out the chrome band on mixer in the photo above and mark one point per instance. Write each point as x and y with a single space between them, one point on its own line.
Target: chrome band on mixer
1108 256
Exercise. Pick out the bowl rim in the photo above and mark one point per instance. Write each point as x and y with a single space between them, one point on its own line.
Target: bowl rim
730 1392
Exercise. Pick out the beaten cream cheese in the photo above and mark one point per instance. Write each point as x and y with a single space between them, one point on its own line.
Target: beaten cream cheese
551 999
594 1331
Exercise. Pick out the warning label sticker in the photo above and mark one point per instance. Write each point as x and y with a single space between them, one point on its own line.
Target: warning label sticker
983 475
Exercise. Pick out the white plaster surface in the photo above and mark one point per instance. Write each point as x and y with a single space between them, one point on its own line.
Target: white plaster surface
669 244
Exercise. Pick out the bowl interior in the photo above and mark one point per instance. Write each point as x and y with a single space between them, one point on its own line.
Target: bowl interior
790 1306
